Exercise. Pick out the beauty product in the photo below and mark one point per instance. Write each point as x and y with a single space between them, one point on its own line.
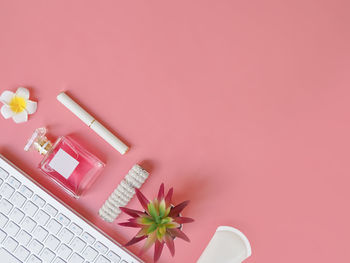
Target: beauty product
92 123
227 245
65 162
123 193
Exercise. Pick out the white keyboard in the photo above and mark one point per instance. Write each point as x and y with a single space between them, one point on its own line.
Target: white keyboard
37 228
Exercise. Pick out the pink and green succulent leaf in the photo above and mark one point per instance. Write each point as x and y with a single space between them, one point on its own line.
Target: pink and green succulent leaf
152 228
175 211
175 232
142 232
183 220
158 248
151 239
134 240
161 231
172 225
143 200
166 220
145 220
161 192
169 197
130 224
169 241
152 210
132 212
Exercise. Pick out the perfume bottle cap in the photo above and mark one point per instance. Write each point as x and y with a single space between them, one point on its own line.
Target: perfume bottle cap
39 141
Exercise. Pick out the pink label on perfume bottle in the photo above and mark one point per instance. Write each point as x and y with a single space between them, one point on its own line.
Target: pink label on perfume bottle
63 163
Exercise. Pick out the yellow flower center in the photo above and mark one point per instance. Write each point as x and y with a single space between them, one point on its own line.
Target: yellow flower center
18 104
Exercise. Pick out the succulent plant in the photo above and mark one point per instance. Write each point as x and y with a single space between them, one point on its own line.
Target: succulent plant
160 222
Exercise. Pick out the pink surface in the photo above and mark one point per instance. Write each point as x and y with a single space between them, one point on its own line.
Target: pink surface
242 106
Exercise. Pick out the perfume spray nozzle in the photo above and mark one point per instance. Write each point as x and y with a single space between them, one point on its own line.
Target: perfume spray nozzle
39 141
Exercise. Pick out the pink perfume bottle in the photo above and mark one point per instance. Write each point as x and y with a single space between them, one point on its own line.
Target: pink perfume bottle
66 162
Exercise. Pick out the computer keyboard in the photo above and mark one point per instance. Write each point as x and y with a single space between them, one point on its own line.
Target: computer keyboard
37 228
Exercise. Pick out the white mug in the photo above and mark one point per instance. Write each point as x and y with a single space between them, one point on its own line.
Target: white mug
228 245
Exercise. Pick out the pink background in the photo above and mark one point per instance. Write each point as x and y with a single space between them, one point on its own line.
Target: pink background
242 106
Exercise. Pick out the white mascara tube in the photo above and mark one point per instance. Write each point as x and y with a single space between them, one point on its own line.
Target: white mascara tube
92 123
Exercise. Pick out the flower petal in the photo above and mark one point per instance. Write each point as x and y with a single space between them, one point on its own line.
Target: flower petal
22 92
6 96
31 106
6 112
20 117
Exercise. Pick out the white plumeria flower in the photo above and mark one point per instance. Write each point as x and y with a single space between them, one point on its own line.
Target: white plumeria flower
17 105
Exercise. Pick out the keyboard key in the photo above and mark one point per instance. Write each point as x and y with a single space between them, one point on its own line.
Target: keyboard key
52 242
76 229
28 224
14 182
41 217
18 199
102 259
75 258
78 244
3 220
54 227
3 174
38 201
40 233
10 244
6 257
47 255
22 253
88 238
35 246
5 206
1 181
100 247
16 215
2 235
24 238
26 191
59 260
63 219
90 254
30 208
34 259
7 190
113 257
65 235
12 229
64 251
50 210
